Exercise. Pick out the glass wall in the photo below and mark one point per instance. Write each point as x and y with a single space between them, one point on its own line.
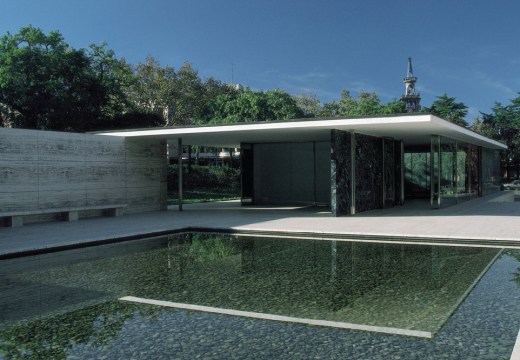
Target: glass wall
291 173
459 171
417 172
490 171
449 171
448 183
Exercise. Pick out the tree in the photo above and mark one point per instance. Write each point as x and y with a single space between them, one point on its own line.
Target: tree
281 106
309 105
347 105
448 109
211 89
481 127
152 89
330 109
503 124
188 96
366 104
45 84
115 75
250 106
394 107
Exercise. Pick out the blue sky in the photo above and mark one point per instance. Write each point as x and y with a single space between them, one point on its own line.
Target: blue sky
469 49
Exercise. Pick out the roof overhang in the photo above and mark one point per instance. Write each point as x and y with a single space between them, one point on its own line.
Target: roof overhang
412 129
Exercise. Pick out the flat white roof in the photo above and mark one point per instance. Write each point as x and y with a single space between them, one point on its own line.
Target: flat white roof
412 129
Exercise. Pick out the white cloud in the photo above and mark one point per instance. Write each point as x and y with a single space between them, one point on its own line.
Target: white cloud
310 76
492 83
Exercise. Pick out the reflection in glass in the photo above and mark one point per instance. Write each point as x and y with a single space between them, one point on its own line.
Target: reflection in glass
417 172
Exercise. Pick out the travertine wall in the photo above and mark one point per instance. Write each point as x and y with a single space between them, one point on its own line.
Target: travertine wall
46 170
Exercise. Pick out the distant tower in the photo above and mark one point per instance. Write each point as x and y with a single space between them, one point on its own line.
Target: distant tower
410 98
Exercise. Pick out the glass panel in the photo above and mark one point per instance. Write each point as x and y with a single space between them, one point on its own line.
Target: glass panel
417 173
448 172
490 171
462 169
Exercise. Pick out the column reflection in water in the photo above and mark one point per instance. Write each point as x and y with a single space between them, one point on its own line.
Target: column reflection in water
359 282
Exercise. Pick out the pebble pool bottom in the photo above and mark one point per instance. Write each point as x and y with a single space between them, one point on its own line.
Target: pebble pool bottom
66 305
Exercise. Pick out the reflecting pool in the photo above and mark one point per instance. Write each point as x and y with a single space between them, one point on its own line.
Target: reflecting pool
448 300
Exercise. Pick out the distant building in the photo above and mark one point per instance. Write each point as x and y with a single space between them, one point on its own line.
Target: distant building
237 87
410 97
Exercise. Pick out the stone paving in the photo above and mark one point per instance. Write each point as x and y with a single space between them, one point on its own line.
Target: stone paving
494 218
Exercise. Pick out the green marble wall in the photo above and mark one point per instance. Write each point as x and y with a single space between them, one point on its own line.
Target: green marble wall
340 172
369 172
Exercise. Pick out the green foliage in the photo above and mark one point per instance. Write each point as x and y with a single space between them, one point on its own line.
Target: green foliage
179 96
51 338
395 106
188 101
205 248
366 104
151 87
135 119
45 84
115 75
220 177
448 109
250 106
516 255
503 124
309 105
205 183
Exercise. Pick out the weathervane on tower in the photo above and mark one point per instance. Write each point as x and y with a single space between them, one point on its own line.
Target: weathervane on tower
410 97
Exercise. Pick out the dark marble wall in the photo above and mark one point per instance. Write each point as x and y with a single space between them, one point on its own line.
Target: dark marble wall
246 173
377 173
369 173
340 171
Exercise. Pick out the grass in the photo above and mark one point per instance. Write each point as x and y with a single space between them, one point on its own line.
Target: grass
203 195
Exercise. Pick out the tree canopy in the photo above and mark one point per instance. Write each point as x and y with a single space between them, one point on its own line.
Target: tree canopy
503 124
47 84
366 104
448 109
248 106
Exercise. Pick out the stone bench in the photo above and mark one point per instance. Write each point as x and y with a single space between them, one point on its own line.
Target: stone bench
15 218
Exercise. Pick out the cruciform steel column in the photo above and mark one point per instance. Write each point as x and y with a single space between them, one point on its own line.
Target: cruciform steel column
352 172
179 161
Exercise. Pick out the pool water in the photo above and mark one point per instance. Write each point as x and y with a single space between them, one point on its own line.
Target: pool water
451 301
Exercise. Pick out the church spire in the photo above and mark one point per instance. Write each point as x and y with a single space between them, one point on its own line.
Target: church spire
410 97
